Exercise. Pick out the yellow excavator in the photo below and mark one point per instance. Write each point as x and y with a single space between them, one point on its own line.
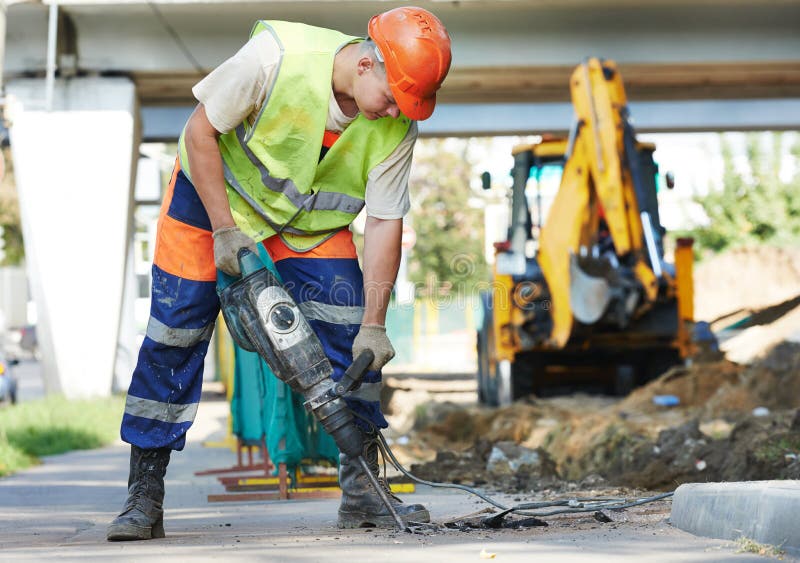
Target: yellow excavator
585 297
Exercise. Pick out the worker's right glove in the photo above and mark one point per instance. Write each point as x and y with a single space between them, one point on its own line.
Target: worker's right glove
373 337
227 243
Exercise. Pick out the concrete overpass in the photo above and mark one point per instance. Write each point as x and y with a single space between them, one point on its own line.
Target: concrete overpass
687 64
88 80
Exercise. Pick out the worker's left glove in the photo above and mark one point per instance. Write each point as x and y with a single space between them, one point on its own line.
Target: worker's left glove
227 243
373 337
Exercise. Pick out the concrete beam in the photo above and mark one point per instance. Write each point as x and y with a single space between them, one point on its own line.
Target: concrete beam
532 4
164 123
650 117
643 82
528 84
510 33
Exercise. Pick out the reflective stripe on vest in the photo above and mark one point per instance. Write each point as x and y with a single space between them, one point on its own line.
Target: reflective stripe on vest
329 201
276 182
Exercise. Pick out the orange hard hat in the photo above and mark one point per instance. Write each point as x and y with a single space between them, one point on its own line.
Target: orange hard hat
415 48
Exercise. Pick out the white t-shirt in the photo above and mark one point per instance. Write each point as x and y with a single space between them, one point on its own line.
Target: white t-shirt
236 90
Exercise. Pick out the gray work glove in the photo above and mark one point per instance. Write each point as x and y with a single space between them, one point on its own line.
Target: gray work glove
373 337
227 243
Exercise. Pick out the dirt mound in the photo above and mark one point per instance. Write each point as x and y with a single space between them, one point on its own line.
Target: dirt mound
750 344
693 386
625 454
465 426
720 286
773 382
619 443
714 433
465 468
757 448
725 388
506 465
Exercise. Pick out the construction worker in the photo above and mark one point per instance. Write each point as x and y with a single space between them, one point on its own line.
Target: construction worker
292 137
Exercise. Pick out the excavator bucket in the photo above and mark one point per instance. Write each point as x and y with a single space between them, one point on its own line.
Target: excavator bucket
588 295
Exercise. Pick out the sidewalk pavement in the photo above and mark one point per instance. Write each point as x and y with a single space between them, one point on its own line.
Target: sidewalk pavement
60 510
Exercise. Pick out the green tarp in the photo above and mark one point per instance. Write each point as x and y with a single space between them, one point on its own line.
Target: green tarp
264 406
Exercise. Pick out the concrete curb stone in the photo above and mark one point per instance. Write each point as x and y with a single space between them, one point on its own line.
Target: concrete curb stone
765 511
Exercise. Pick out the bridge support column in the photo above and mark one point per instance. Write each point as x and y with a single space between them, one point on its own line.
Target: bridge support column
75 167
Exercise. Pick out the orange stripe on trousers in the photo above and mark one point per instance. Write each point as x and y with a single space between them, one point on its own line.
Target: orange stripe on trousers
183 250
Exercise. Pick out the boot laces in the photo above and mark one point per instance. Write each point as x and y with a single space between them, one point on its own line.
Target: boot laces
380 457
149 468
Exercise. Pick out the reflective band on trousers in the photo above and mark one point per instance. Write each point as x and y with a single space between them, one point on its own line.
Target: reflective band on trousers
178 337
155 410
342 315
336 314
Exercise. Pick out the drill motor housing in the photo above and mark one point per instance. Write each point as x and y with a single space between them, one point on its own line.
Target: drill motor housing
262 317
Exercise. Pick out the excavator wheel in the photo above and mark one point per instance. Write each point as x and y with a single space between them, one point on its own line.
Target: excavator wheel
625 377
483 368
515 380
500 383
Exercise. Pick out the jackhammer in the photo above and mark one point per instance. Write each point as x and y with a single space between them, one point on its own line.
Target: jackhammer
262 317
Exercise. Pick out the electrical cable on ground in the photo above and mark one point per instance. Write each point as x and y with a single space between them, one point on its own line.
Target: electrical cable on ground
577 505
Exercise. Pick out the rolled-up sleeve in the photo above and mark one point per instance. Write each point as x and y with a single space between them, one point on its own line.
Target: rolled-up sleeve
387 194
237 88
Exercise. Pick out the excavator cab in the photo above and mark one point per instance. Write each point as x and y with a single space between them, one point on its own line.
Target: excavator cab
547 159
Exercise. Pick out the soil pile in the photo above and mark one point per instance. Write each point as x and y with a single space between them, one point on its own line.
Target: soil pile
724 388
722 285
732 423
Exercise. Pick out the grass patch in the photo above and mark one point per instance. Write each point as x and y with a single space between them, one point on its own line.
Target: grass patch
55 425
746 545
776 447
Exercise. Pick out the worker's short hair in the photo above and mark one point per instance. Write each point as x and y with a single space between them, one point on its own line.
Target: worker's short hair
370 48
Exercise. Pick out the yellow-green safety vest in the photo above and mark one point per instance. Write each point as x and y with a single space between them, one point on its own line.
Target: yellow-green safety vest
274 178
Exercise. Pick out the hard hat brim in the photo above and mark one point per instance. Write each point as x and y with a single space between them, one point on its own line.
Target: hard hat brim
414 107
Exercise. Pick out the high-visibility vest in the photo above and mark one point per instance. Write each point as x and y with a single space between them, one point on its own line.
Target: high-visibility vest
275 179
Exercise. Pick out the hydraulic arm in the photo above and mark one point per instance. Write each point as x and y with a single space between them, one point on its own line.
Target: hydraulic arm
598 178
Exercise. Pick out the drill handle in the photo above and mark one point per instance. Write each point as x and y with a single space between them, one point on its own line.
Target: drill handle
352 375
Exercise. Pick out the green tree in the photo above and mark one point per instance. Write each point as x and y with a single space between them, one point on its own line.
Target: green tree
9 215
755 206
450 231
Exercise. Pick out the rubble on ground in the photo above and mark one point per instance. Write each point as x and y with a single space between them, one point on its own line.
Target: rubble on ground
711 435
731 418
